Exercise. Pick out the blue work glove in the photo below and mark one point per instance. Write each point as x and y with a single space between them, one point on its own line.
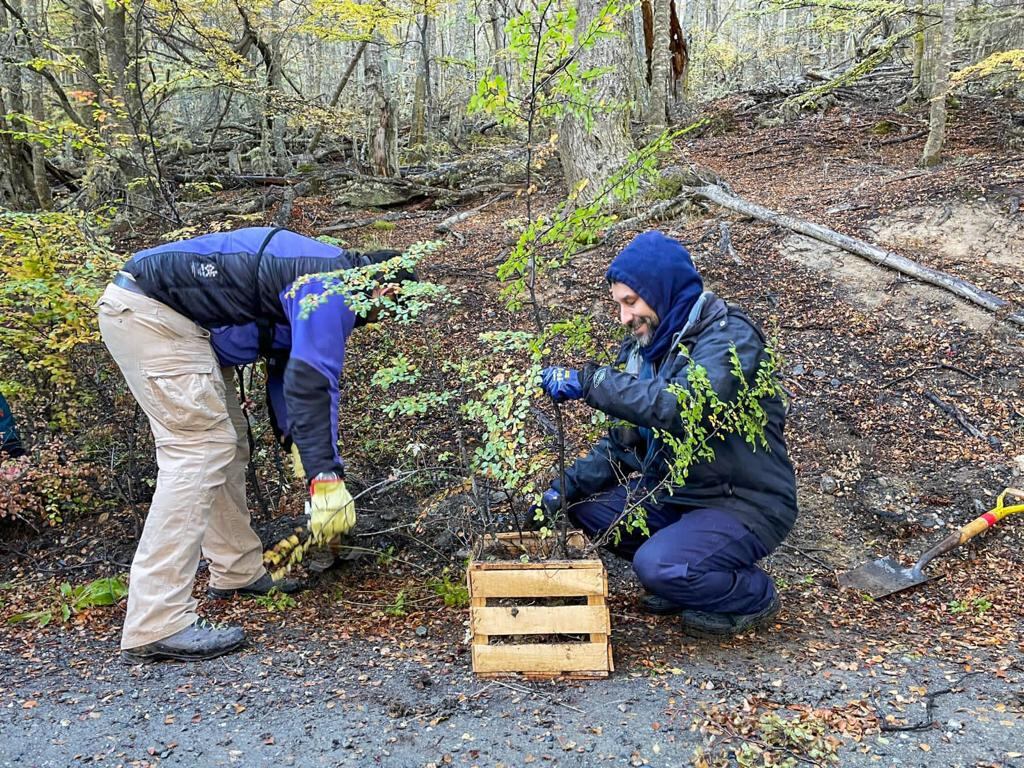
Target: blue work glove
561 384
550 503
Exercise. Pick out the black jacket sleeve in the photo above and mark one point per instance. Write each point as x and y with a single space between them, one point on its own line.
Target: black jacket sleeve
648 402
607 464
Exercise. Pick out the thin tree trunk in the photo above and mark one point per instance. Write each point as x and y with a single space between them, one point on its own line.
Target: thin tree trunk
383 133
657 114
917 82
16 189
421 93
275 81
315 140
87 46
39 181
498 33
937 117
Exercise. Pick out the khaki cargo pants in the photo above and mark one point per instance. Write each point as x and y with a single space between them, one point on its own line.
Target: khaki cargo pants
199 505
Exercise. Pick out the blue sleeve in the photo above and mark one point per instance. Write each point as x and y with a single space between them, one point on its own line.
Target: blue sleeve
312 375
236 344
277 404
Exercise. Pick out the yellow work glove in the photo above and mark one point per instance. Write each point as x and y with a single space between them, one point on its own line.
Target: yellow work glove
297 468
331 509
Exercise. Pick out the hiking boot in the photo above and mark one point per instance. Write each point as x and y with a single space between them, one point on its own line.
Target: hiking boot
715 626
659 605
196 642
261 586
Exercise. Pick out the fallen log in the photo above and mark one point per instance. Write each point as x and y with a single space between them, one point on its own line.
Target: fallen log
865 250
342 226
446 225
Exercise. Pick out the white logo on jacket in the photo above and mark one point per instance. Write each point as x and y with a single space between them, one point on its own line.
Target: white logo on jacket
205 271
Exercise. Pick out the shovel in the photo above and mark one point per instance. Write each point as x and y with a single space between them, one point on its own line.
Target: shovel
886 576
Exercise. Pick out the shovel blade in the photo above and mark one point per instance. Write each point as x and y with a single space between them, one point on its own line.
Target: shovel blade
882 577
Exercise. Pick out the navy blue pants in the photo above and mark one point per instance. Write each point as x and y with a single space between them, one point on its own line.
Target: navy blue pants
703 560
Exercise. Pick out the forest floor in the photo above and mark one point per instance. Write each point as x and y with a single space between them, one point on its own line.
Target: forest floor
370 668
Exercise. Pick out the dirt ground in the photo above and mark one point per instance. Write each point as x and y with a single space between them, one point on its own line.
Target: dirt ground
934 676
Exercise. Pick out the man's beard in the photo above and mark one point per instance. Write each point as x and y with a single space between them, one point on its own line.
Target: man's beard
652 325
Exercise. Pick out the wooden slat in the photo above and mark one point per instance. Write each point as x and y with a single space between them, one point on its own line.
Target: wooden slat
530 542
562 582
537 565
598 603
541 658
542 620
476 604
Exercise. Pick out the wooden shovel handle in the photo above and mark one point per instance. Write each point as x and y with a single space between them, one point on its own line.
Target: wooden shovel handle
973 528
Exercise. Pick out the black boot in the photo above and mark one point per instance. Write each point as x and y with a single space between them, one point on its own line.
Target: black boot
261 586
196 642
715 626
659 606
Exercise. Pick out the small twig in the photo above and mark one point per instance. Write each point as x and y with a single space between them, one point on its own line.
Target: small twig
480 692
901 139
921 369
809 556
929 720
524 689
958 416
385 530
725 242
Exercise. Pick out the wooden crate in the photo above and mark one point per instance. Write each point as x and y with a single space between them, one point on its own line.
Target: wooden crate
503 604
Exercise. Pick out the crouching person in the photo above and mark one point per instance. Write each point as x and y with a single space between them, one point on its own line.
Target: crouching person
707 535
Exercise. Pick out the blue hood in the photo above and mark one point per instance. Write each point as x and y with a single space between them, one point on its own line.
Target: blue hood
661 272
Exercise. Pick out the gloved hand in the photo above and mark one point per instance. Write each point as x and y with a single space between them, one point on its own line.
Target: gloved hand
297 468
550 503
561 384
331 509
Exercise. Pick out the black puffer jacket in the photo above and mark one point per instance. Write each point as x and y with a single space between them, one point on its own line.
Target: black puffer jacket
757 486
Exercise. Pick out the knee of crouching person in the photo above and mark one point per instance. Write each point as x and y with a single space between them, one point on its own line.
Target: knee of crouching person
658 575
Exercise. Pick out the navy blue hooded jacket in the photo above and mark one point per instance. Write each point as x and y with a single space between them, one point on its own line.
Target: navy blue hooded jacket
245 277
757 486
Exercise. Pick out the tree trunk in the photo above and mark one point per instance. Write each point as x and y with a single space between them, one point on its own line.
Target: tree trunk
660 59
917 81
16 189
421 109
115 43
383 133
275 83
594 150
336 97
937 117
87 47
498 33
16 185
418 128
39 181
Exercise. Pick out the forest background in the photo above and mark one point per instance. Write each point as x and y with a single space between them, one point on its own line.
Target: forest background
513 147
122 124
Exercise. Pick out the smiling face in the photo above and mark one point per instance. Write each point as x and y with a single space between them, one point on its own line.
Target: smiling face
635 313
